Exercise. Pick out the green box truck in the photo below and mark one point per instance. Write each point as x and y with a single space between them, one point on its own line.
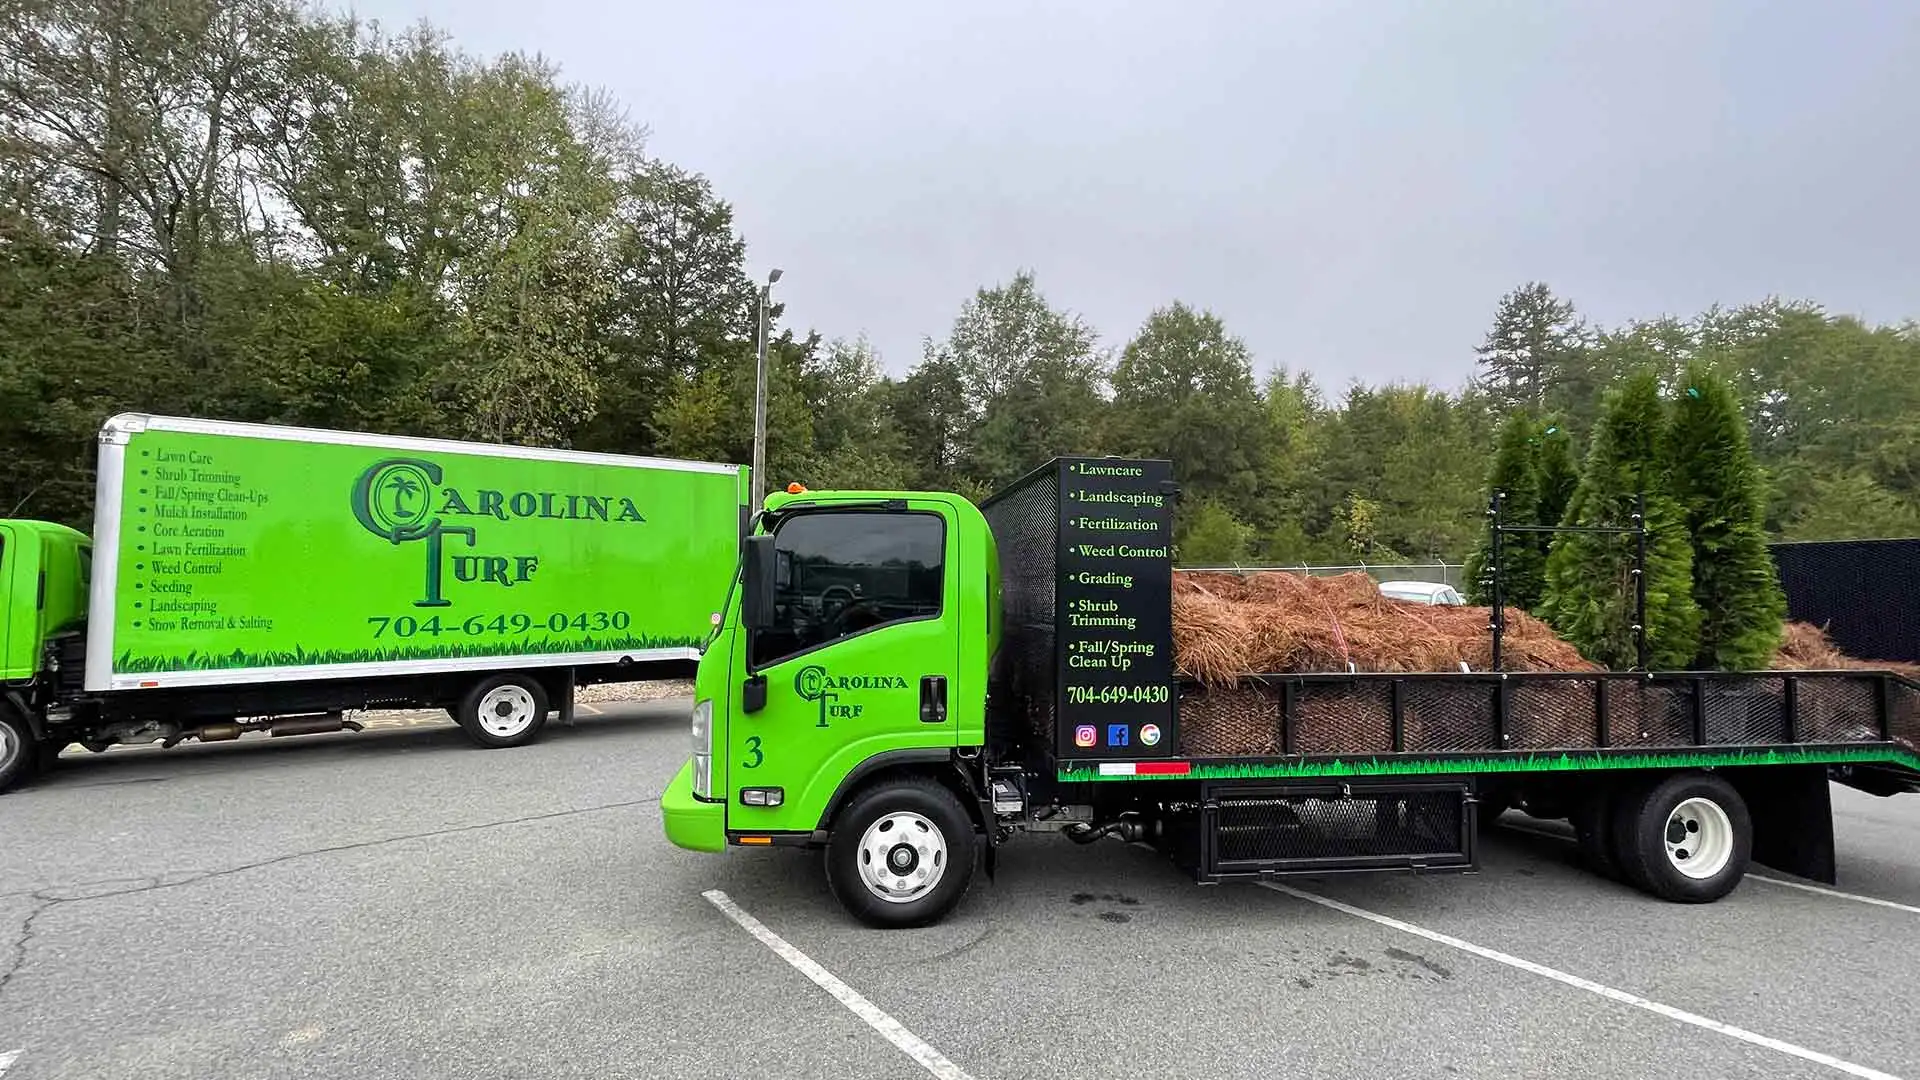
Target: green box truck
245 577
907 681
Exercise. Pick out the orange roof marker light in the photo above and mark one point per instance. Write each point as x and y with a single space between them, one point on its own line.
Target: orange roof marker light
796 489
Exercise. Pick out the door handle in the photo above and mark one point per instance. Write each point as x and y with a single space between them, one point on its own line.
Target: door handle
933 699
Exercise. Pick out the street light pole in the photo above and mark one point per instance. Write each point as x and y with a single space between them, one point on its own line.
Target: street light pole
760 401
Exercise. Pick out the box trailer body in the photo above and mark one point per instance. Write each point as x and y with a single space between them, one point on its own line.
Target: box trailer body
908 681
259 572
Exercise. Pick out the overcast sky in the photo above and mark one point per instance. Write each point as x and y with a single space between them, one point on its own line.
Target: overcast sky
1351 186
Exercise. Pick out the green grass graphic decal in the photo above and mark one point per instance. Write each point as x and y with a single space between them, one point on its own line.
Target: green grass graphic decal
1517 762
129 663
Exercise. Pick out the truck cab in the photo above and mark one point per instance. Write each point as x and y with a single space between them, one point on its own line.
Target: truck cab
843 695
44 576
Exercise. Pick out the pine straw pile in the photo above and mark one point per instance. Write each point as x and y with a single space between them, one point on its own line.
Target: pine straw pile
1226 626
1807 647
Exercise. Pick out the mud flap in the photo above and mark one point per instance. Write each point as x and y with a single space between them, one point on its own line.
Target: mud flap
1792 811
565 697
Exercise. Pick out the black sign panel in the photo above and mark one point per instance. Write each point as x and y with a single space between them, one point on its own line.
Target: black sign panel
1115 620
1861 591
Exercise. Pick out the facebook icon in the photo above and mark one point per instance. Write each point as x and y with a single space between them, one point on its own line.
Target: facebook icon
1116 734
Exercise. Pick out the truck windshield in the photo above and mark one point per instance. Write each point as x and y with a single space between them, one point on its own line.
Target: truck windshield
839 573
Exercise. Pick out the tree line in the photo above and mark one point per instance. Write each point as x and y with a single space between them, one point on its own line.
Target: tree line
254 210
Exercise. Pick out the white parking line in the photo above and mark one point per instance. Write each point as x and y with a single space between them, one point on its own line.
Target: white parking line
1836 893
1801 885
1591 987
892 1030
7 1059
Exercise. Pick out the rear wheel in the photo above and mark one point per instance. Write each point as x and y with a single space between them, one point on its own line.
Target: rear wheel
901 854
1686 837
18 748
504 710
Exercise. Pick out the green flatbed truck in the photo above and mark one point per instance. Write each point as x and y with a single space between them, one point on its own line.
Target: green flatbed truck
245 578
906 681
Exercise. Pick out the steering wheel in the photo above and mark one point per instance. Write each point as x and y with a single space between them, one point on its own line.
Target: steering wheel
850 613
833 599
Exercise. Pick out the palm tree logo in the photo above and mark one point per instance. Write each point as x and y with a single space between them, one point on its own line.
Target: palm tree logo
811 684
393 499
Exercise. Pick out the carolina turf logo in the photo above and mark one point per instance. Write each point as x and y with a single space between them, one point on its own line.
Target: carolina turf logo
814 683
402 500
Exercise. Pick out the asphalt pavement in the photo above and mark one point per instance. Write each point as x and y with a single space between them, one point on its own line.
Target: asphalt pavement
399 904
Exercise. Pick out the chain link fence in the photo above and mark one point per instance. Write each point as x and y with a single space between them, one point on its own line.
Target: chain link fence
1441 573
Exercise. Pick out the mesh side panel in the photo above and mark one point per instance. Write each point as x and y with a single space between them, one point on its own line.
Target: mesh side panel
1649 714
1342 718
1860 590
1903 705
1446 717
1838 709
1552 715
1026 531
1746 710
1257 832
1440 715
1238 722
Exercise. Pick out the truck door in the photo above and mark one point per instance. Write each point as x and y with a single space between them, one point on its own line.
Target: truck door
863 648
10 606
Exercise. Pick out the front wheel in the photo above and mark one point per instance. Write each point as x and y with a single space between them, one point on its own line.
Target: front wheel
503 710
1687 837
17 748
901 854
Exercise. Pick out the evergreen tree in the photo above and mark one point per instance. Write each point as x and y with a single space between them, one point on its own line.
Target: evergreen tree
1523 556
1208 534
1722 493
1531 348
1590 589
1556 474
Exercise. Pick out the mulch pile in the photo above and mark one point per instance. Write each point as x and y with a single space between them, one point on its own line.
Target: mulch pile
1229 626
1808 648
1226 626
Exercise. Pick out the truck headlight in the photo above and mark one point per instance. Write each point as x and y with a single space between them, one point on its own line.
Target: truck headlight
703 749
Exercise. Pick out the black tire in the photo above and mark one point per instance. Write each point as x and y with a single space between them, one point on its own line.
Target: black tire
514 707
1641 822
1592 821
19 750
934 807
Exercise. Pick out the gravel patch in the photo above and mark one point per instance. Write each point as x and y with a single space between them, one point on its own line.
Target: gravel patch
600 693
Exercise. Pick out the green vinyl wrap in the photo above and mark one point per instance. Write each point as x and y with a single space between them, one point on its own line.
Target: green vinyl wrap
271 551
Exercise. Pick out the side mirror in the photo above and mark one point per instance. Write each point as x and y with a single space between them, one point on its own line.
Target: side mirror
757 583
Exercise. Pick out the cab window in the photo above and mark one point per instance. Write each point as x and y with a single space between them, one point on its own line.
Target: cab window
843 573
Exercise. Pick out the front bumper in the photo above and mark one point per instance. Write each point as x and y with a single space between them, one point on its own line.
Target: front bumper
689 822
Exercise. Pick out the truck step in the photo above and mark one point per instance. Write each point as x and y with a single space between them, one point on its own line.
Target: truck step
1328 827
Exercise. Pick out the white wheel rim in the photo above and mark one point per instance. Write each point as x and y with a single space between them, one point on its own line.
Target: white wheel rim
1699 838
506 711
902 857
9 746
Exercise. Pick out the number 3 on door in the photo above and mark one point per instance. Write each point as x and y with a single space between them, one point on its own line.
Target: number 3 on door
753 748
